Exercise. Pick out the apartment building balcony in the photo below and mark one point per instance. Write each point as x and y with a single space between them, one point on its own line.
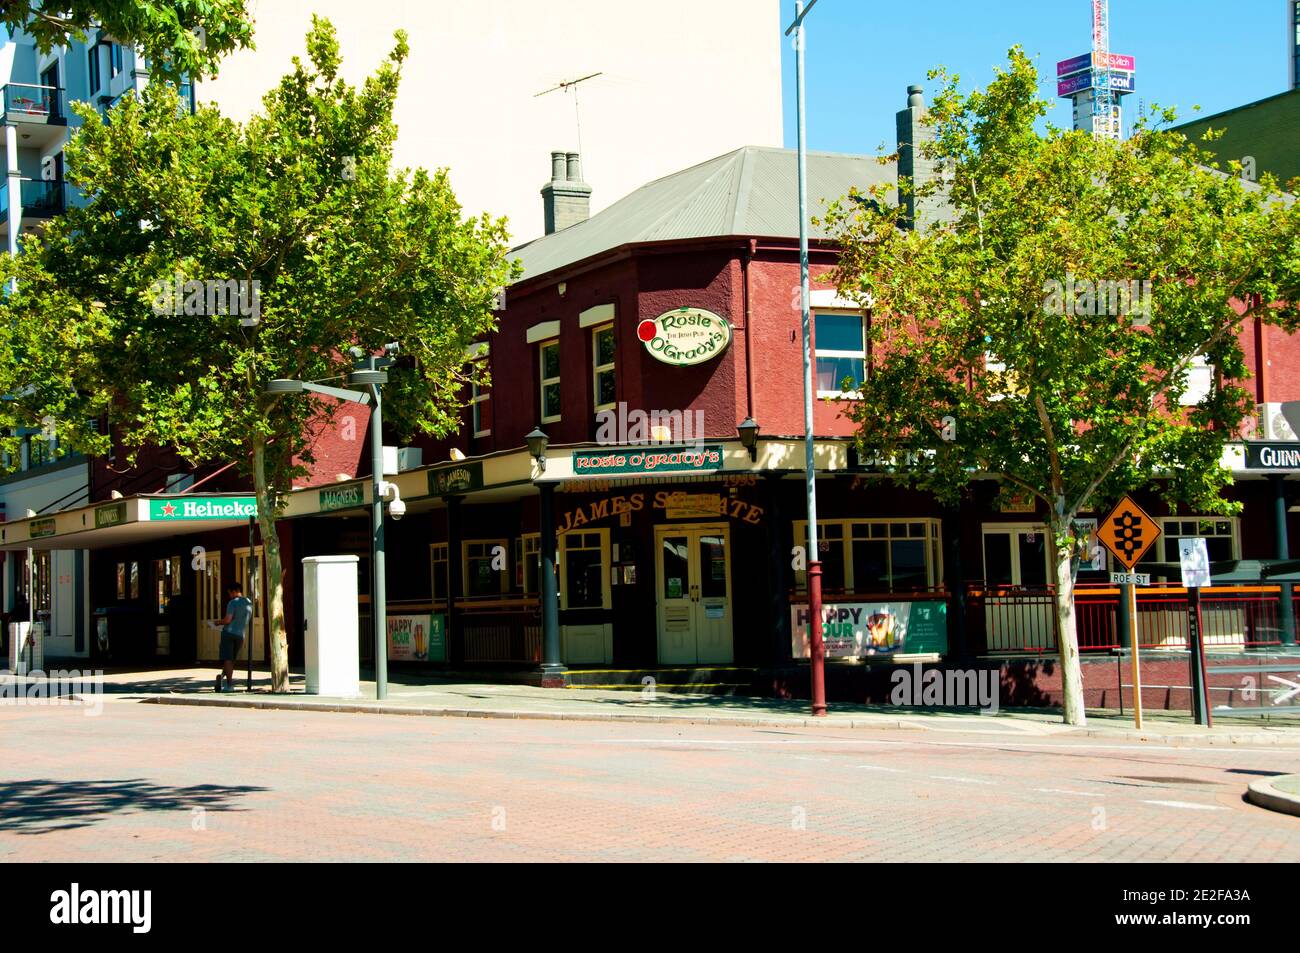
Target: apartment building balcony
40 201
37 112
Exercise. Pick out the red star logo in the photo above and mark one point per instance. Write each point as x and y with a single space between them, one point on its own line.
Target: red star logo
169 510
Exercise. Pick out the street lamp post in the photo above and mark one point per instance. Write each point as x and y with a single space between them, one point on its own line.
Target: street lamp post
816 649
370 372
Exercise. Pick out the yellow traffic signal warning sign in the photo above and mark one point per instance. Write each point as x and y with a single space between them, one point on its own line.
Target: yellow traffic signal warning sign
1128 532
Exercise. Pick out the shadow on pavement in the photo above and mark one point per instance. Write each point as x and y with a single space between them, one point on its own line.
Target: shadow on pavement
43 805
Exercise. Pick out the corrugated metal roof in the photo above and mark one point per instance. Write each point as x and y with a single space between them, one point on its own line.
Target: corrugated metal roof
752 192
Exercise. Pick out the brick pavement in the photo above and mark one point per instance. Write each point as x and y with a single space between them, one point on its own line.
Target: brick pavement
149 783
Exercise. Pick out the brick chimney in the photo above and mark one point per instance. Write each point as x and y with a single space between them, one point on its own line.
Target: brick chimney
566 199
913 132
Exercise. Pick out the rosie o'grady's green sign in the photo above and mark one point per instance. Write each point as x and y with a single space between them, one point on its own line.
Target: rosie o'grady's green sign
649 460
203 508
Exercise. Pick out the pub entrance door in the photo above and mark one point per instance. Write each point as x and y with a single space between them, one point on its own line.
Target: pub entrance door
693 594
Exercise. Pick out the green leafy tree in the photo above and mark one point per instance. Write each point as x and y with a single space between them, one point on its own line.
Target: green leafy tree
1070 398
328 249
178 36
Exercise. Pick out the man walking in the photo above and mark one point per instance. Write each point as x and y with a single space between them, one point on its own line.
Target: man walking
234 629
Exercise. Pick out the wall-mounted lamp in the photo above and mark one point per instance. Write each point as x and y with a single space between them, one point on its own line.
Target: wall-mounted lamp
537 441
748 431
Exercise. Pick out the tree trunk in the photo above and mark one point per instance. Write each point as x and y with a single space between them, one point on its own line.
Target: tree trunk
274 574
1067 635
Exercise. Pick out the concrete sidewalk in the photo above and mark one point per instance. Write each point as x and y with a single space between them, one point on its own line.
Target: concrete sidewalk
422 696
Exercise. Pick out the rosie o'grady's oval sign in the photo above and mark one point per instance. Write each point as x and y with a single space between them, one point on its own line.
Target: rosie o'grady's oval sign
686 336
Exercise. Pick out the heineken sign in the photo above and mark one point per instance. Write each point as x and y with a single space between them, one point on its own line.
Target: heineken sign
629 462
342 497
685 337
203 508
111 515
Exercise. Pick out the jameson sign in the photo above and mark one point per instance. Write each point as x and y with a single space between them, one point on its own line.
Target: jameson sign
204 508
111 515
417 638
342 497
1272 456
461 479
660 460
38 528
864 629
686 336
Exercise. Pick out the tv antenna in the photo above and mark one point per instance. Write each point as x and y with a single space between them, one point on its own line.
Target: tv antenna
564 87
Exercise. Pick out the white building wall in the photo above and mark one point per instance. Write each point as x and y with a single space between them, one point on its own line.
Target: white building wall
683 81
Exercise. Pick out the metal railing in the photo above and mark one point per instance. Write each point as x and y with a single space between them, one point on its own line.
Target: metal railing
1015 620
32 103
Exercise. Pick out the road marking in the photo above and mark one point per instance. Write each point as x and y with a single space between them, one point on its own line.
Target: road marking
947 777
1063 791
1187 805
876 767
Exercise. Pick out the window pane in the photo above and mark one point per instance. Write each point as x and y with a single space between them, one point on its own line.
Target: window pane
997 559
676 578
832 372
870 566
713 567
1033 559
838 332
551 400
832 558
605 346
583 579
550 361
605 387
909 564
1220 548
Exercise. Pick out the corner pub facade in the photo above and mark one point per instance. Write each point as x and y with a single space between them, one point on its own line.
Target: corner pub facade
656 346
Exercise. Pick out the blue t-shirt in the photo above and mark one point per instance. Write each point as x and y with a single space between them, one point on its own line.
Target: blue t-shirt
240 610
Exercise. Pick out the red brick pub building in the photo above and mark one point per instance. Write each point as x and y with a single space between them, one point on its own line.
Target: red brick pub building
656 347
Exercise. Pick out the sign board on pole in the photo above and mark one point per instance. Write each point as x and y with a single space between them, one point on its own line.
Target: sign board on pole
1130 579
1194 558
1128 532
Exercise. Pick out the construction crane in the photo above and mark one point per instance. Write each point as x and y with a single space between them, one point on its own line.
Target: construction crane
1104 100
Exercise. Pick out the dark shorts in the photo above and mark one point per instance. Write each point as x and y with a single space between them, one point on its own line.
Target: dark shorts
231 646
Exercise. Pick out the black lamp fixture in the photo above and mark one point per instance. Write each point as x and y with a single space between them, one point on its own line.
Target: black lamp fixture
537 441
748 431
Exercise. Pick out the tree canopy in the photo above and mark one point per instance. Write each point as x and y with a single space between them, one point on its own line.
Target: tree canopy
211 257
180 37
1040 332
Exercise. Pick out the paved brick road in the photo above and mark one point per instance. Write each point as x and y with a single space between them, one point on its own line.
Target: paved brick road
146 782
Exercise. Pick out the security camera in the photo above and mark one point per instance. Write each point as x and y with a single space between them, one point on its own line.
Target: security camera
392 349
397 509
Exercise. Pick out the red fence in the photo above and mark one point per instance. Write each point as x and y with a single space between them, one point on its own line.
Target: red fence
1014 620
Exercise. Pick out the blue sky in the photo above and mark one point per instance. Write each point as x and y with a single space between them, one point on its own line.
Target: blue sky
1210 53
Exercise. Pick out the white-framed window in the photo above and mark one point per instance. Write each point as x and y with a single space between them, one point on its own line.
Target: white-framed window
1016 554
584 569
438 569
602 367
483 566
841 352
870 556
528 564
480 407
1221 533
548 358
114 59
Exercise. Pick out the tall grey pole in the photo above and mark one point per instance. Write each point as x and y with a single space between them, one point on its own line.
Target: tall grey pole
816 650
378 586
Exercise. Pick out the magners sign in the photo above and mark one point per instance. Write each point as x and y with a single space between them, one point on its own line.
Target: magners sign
685 337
